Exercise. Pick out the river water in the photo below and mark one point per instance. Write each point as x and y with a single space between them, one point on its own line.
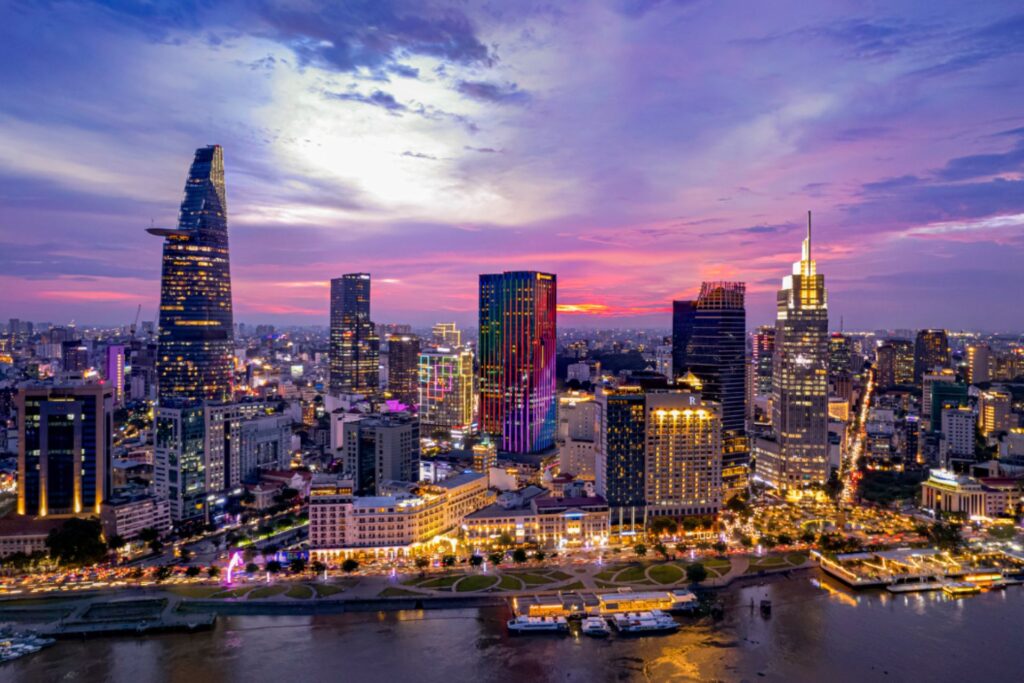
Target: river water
815 633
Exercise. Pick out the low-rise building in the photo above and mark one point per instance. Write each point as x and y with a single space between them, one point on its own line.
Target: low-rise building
23 534
531 516
126 516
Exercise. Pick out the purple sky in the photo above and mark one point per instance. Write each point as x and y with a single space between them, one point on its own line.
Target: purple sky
633 148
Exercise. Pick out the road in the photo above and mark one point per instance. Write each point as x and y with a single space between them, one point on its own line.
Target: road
850 466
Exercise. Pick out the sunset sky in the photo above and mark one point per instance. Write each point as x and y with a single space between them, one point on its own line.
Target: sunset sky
633 148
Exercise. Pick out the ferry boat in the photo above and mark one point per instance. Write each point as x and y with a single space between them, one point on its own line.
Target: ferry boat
15 645
595 626
641 623
526 624
957 589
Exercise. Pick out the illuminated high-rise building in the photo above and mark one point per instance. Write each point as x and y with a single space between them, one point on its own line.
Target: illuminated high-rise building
839 355
447 334
518 312
995 413
621 463
113 371
709 338
978 360
355 347
196 327
894 363
800 379
403 368
931 351
445 382
64 448
762 354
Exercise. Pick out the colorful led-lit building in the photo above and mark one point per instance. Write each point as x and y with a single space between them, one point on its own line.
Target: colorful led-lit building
354 345
196 332
64 448
517 360
799 455
446 394
113 371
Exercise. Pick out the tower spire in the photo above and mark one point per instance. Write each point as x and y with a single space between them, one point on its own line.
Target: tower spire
807 240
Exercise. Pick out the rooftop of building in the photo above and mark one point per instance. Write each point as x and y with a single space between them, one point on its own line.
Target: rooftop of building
24 525
548 503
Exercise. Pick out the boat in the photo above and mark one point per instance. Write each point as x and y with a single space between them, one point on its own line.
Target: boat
526 624
596 627
18 645
956 589
643 623
766 608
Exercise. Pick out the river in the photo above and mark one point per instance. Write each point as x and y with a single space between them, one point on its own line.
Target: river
815 633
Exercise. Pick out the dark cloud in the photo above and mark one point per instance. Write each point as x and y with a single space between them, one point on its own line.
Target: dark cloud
889 184
974 47
982 165
404 70
418 155
378 98
507 93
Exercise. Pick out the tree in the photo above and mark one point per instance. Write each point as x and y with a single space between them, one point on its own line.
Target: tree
155 545
640 549
519 556
834 486
319 567
476 560
185 554
252 568
784 539
720 547
808 537
448 560
660 548
689 524
162 572
696 572
192 572
946 536
297 566
746 541
505 540
737 505
681 548
77 542
495 558
213 572
539 555
422 563
349 566
148 535
273 566
663 525
116 542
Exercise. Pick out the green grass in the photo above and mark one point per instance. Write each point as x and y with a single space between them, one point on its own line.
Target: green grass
631 574
531 579
606 574
299 591
716 562
441 582
665 574
233 593
476 582
415 581
796 559
197 592
392 592
605 584
510 583
267 592
558 575
574 586
324 590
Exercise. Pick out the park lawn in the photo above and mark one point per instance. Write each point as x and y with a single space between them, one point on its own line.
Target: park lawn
533 579
631 574
796 559
299 591
717 562
441 582
605 584
665 573
574 586
558 575
233 592
606 574
477 582
415 581
510 583
197 592
324 590
393 592
267 592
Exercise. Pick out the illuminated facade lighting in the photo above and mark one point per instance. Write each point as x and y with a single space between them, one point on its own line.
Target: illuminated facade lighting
355 347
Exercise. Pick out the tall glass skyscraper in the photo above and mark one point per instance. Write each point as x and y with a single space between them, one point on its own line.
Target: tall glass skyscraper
800 378
196 337
931 350
709 339
517 359
355 348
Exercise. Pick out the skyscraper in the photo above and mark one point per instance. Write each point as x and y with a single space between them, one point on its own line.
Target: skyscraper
517 359
447 334
709 338
403 368
621 475
64 448
196 325
763 353
800 377
445 389
894 363
931 350
978 362
113 371
839 355
354 351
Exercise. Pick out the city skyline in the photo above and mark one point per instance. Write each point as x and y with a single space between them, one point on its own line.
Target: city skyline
453 147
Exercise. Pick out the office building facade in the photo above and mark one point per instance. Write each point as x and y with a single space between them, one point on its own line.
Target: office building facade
403 369
354 344
445 387
931 351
